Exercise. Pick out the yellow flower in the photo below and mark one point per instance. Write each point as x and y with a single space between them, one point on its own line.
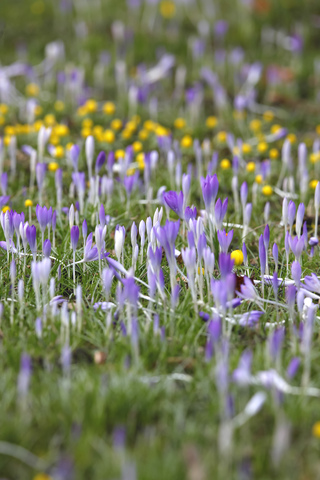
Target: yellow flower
85 132
259 179
116 124
161 131
136 119
246 148
255 125
119 154
6 208
274 153
59 106
32 90
137 147
237 256
167 8
28 203
59 151
267 190
262 147
222 137
268 116
131 126
87 123
149 125
186 141
109 108
179 123
316 430
292 138
62 130
275 128
42 476
225 164
54 139
7 140
317 127
9 130
211 122
97 129
37 125
69 145
251 166
49 120
82 111
109 136
126 134
3 108
53 166
140 160
313 184
314 157
91 106
2 120
130 172
143 134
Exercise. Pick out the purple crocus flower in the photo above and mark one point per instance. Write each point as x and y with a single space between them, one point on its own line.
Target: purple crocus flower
74 156
250 319
167 236
74 235
129 182
101 158
225 264
262 256
242 374
297 245
312 283
24 375
210 187
40 174
276 341
220 211
107 277
32 238
42 216
296 273
244 194
275 253
46 248
291 214
225 239
84 229
175 202
293 367
247 290
291 296
4 183
90 253
190 213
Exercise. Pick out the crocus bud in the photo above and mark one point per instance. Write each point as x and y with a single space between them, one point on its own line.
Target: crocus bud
74 235
74 156
101 158
46 248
